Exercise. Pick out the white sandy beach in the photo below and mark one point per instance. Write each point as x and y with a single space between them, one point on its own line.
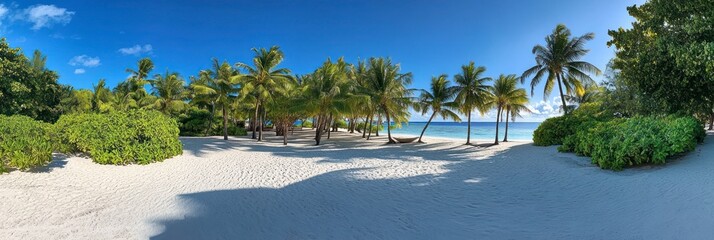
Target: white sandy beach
352 189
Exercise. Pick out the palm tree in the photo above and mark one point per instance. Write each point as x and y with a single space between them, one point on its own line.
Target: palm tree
472 92
439 101
591 93
102 98
326 94
131 92
262 78
387 88
514 109
170 91
38 60
506 95
218 86
560 60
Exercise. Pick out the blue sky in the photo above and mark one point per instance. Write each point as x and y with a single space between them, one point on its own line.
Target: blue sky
89 40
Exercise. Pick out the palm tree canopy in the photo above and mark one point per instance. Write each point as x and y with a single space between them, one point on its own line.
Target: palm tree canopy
264 75
387 88
472 89
561 57
439 99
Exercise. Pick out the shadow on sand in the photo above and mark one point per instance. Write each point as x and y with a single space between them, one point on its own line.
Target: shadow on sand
473 199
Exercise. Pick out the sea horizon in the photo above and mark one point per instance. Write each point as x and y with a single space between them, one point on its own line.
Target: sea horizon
479 130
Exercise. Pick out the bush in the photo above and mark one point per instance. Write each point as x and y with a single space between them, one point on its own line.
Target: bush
196 121
306 124
340 123
360 127
121 137
621 143
24 143
553 131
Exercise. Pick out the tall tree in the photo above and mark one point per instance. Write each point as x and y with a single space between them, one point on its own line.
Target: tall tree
473 93
102 98
261 78
666 56
559 61
506 96
170 91
439 101
220 87
387 87
131 93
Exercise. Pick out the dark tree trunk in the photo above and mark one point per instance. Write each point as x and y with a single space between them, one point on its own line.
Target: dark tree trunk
498 118
505 135
318 130
260 125
389 132
210 122
366 121
225 124
379 123
285 134
468 129
711 122
426 126
562 97
370 127
254 124
329 126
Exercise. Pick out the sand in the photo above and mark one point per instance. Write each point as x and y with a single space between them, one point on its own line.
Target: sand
353 189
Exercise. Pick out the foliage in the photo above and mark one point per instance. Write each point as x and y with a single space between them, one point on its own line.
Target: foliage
198 122
472 92
120 138
506 96
559 62
340 123
26 87
440 100
554 130
666 57
639 140
24 143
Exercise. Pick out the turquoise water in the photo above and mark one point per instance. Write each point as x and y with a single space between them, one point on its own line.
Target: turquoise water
479 130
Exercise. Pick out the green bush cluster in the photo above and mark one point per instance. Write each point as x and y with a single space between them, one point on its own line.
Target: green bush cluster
24 143
553 131
306 124
620 143
196 122
360 127
340 123
121 137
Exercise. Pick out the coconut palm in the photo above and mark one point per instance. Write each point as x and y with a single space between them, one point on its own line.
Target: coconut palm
218 86
559 61
131 93
283 110
472 92
506 94
102 98
170 91
514 110
261 78
387 89
439 100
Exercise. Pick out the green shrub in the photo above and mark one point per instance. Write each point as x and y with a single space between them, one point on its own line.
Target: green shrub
340 123
195 122
121 137
360 127
554 130
621 143
24 143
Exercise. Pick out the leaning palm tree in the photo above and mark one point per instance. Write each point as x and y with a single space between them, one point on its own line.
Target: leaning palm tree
439 100
505 94
261 78
472 92
219 87
170 91
559 61
387 89
514 110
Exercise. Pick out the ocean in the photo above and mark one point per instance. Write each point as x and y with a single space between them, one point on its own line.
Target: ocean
479 130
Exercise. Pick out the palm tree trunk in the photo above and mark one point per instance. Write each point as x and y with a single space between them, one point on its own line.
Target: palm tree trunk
505 135
329 127
562 97
316 124
254 124
468 129
260 125
225 122
285 134
389 132
498 118
210 122
379 123
364 130
711 122
370 127
426 126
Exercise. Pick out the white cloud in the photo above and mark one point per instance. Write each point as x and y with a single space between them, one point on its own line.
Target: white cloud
546 109
85 61
79 71
44 16
3 12
137 50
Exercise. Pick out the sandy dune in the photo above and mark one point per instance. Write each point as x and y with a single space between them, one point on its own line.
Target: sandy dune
353 189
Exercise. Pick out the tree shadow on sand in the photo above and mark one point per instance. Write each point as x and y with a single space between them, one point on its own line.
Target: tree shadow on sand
473 199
